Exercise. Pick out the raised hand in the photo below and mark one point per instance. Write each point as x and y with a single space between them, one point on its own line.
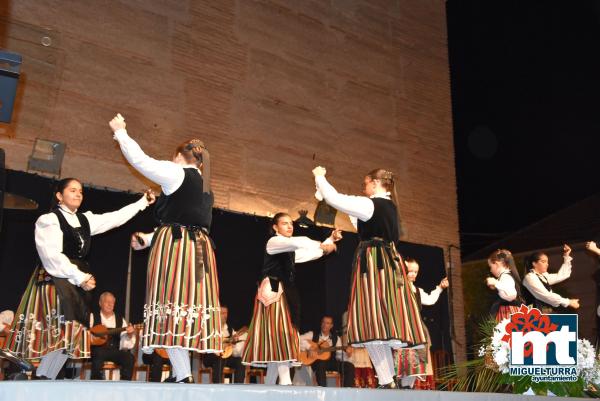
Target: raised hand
444 283
336 235
137 241
328 248
117 123
89 284
591 246
319 171
566 250
574 303
491 282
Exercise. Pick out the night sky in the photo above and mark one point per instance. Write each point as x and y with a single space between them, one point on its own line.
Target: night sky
526 107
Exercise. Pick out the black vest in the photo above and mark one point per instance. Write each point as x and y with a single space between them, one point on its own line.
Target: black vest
188 205
114 340
383 224
418 297
531 300
503 302
76 240
279 267
76 245
332 336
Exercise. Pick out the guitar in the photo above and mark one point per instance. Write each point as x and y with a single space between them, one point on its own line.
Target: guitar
230 342
100 333
322 352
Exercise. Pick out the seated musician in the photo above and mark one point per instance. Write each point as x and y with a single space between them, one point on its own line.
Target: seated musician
117 348
233 345
156 362
324 338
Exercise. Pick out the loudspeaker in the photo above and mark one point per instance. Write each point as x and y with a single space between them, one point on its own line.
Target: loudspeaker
10 65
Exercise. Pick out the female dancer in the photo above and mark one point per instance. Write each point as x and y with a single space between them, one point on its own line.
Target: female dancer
382 313
538 282
506 282
53 315
182 310
273 338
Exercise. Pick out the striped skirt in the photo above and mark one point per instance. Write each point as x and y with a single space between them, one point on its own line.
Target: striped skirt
382 309
182 293
271 337
415 362
504 312
39 326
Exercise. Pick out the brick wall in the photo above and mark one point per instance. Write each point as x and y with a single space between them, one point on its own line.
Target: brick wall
273 87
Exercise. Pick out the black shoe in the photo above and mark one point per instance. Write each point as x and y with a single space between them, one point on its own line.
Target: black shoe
390 386
35 377
187 380
170 379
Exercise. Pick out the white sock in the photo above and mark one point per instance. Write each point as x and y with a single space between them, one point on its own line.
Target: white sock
56 365
389 357
180 362
272 373
379 358
409 381
283 369
42 369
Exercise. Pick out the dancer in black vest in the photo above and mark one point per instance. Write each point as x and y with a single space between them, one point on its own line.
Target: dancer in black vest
51 320
538 282
382 313
273 339
325 337
118 347
182 311
507 282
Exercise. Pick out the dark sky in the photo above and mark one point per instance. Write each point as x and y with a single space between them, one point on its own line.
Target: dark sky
526 106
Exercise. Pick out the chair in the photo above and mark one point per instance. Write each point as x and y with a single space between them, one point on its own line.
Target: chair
259 374
334 375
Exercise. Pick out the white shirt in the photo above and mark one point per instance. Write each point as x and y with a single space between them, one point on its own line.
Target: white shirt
431 298
167 174
505 285
304 248
110 322
6 318
357 207
49 237
308 336
537 289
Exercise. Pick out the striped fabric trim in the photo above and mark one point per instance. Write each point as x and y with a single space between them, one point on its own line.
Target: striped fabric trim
40 328
381 308
504 312
271 337
181 310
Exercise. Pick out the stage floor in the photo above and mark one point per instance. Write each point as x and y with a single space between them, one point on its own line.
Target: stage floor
67 390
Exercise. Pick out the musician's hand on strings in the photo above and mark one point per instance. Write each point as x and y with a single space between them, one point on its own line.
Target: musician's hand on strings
319 171
150 196
444 283
89 284
312 353
117 123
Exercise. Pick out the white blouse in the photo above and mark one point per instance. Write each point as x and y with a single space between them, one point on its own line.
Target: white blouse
167 174
304 248
506 287
357 207
49 237
432 297
537 289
